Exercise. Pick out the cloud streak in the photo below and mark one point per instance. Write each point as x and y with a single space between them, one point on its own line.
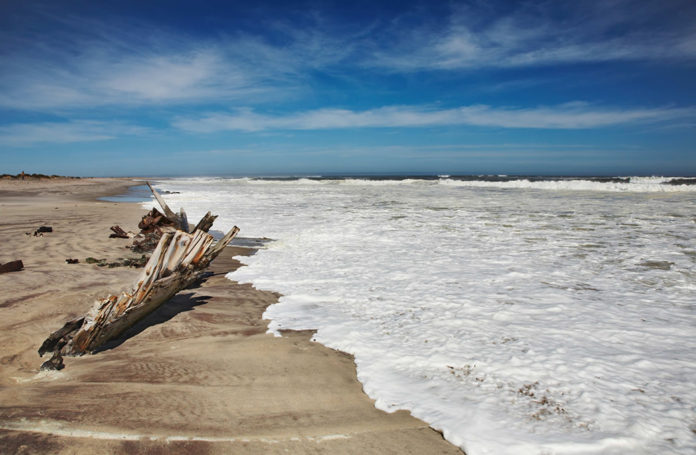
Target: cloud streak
93 64
104 76
532 35
28 134
575 115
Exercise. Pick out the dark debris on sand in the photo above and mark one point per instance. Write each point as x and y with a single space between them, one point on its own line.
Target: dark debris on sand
120 262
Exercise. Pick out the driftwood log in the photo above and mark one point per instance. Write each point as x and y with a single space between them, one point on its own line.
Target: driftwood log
15 266
119 233
178 261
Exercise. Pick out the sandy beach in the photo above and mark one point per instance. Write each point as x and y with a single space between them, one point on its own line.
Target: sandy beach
200 375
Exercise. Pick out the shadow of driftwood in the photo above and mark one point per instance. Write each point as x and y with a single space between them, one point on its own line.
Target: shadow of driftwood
180 303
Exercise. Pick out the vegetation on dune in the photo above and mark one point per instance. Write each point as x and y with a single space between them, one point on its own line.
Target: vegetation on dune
25 176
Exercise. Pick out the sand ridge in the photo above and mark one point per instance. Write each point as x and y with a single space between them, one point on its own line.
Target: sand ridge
199 375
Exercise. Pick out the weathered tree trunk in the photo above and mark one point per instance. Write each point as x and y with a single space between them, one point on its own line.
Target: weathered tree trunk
177 262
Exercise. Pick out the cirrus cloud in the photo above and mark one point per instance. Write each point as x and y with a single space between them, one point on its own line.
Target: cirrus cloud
27 134
575 115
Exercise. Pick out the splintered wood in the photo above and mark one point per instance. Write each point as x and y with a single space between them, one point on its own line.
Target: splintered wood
180 220
178 261
119 233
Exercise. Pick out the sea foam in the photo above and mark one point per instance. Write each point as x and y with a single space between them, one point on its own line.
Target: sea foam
520 318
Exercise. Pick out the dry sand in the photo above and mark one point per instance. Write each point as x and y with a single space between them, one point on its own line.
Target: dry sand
200 375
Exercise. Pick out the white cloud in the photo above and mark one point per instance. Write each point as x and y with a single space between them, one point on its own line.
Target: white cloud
136 65
544 33
113 77
26 134
575 115
161 77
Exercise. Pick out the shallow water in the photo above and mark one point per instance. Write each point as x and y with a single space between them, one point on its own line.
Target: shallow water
517 316
138 193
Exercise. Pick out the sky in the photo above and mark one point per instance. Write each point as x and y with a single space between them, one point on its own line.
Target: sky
169 88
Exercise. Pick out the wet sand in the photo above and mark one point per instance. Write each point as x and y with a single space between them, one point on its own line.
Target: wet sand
200 375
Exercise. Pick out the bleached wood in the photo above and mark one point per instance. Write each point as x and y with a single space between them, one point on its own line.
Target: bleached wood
210 254
169 213
177 262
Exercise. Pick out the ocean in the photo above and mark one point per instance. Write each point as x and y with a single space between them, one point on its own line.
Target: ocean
518 315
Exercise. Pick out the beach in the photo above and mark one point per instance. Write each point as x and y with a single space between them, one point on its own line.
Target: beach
199 375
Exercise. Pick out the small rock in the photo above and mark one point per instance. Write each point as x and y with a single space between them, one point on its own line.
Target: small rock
41 230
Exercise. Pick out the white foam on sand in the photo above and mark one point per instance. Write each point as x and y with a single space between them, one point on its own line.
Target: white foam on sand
57 428
41 376
515 320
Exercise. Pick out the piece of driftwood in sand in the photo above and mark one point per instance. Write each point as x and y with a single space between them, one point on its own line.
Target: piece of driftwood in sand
119 233
179 260
15 266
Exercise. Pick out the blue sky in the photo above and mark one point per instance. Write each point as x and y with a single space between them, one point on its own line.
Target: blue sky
229 88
